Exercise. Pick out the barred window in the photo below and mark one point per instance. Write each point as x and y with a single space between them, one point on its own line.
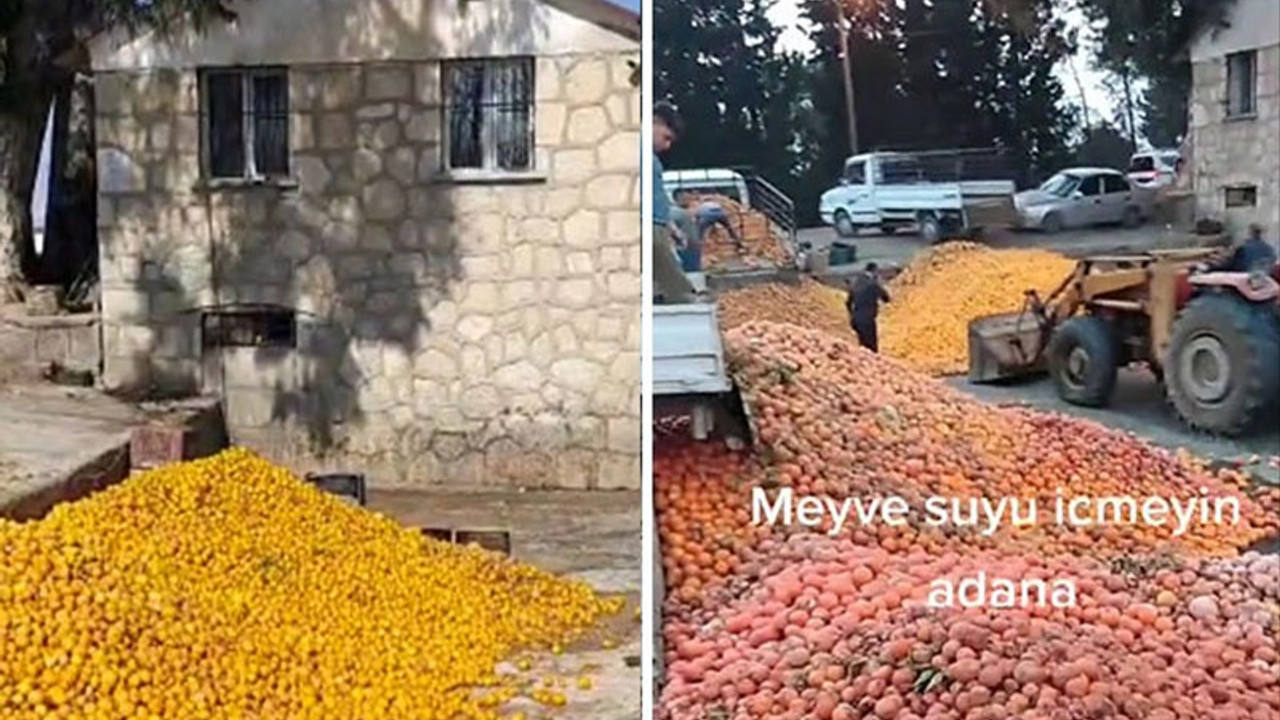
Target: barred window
1242 83
489 114
245 122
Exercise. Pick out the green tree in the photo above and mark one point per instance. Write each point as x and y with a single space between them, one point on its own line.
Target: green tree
1104 146
716 60
36 36
877 80
1149 40
967 73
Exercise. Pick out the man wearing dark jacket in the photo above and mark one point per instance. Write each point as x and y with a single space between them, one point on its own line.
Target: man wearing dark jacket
863 302
1253 255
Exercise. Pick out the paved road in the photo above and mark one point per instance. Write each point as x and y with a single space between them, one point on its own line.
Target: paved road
897 250
1138 407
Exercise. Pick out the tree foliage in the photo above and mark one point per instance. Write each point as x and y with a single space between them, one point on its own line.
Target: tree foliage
716 61
968 73
39 43
1104 146
1151 39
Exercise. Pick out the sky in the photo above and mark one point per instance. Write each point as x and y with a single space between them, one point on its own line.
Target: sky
785 15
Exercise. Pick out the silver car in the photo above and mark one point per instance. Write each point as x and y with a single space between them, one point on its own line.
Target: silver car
1082 197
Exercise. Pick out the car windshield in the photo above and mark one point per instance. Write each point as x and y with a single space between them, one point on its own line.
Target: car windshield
1060 185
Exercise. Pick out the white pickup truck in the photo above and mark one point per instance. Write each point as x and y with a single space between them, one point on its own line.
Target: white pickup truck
931 191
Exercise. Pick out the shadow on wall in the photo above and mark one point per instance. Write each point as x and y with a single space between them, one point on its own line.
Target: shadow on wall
363 248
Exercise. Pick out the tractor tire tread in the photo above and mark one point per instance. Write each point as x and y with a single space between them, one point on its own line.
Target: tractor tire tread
1098 339
1261 374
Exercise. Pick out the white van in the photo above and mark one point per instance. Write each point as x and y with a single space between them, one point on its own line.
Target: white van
729 183
1154 169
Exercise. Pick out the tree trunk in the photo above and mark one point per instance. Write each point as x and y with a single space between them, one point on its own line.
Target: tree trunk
70 241
33 37
1131 125
19 155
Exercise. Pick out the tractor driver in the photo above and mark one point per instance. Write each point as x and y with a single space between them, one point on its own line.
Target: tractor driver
1253 255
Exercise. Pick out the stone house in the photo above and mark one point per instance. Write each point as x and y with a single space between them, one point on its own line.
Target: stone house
396 236
1235 118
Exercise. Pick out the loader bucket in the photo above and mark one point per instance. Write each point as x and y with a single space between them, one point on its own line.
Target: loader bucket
1005 346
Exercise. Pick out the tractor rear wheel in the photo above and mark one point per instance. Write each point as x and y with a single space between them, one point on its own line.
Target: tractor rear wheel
1222 369
1082 361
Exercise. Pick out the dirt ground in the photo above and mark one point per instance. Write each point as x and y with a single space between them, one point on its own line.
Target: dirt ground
1139 407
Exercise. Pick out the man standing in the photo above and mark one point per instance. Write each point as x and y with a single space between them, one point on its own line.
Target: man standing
671 286
863 302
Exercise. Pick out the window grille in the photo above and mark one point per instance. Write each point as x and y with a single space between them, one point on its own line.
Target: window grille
489 114
245 123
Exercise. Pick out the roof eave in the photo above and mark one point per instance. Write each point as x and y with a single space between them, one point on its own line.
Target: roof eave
604 13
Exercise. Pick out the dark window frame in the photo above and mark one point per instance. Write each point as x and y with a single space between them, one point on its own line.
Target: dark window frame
860 176
1241 99
1080 187
251 154
1240 196
486 111
1119 181
249 327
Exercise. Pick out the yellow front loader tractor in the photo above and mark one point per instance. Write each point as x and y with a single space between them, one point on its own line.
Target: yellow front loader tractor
1212 338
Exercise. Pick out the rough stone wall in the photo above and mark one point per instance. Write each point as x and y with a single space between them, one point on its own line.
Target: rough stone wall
483 333
1237 151
29 345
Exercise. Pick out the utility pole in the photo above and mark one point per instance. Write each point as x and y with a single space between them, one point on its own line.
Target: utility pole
846 63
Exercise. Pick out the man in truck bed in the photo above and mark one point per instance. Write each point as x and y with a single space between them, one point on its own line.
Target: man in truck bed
863 302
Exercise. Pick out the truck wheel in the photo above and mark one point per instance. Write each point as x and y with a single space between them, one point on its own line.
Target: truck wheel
1222 369
1051 224
931 229
1082 361
844 224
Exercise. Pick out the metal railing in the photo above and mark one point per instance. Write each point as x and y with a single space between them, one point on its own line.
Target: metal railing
958 165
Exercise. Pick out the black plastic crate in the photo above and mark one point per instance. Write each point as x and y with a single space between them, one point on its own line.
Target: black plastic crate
497 541
349 486
441 534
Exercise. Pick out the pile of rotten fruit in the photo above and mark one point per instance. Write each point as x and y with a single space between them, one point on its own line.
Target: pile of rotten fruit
228 588
772 622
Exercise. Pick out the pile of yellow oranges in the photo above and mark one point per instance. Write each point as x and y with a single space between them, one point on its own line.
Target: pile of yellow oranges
926 325
228 588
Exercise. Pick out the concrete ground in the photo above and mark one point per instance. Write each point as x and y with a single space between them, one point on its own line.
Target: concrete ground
1138 407
49 434
897 250
591 536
